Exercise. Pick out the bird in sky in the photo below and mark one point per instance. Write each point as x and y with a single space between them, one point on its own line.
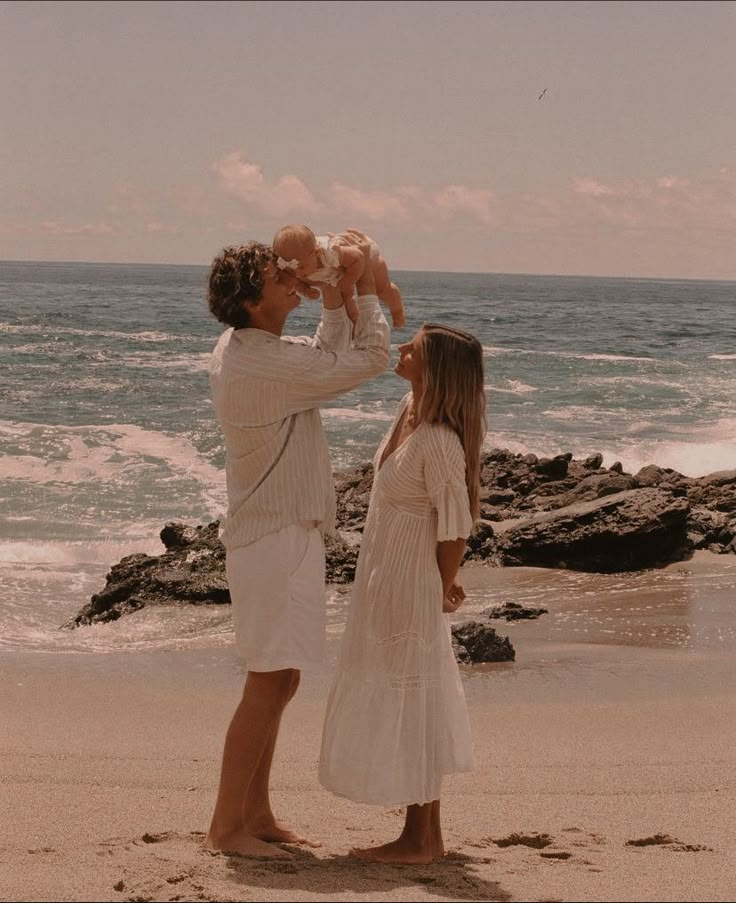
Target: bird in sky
542 94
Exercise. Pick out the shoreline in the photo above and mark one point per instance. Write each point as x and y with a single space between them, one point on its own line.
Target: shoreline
110 764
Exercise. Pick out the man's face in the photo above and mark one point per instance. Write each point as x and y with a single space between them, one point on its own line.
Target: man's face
279 295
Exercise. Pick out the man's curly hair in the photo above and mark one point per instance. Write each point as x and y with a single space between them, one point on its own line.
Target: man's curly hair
236 276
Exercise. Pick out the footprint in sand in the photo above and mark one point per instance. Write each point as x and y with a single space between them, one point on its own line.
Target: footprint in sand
664 840
590 837
534 840
156 838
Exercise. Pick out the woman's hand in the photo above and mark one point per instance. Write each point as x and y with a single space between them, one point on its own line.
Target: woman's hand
454 598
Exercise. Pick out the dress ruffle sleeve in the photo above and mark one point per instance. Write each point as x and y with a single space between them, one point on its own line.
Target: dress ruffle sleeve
444 473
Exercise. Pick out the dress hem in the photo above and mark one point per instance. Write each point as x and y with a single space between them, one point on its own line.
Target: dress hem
388 803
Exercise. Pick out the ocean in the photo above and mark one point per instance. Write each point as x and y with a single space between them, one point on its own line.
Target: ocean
107 430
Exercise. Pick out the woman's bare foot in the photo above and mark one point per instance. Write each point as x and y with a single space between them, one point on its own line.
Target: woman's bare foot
245 845
397 852
273 832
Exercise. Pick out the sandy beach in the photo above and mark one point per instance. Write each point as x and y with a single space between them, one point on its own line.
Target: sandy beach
605 761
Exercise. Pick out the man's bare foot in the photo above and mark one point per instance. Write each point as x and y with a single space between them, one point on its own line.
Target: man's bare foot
273 832
245 845
397 852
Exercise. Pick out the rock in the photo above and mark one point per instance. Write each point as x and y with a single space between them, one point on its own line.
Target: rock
593 462
475 642
554 468
341 559
719 478
627 531
191 570
651 475
498 496
548 512
597 485
512 611
478 539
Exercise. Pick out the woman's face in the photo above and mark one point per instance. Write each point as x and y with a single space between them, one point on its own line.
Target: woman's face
409 364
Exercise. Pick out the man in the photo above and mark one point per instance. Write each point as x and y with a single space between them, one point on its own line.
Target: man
267 389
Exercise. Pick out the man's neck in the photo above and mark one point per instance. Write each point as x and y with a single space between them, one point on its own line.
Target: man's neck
267 325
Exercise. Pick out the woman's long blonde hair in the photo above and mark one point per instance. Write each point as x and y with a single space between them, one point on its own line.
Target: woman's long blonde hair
453 394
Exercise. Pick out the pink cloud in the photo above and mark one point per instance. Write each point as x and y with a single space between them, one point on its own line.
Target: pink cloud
55 228
659 204
477 202
284 198
289 197
373 205
592 188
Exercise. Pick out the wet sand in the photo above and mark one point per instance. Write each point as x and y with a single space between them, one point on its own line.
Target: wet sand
605 761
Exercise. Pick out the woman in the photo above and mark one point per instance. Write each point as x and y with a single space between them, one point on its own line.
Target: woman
396 717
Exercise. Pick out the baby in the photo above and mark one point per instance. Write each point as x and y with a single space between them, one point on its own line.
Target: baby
336 260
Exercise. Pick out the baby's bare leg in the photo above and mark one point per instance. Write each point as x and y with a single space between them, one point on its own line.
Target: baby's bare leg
388 292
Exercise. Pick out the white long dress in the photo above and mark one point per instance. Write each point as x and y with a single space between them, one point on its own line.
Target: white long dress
396 718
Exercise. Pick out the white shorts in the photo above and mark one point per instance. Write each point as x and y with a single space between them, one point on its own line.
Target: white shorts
277 588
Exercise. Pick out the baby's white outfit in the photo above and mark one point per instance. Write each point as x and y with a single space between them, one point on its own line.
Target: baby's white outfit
330 271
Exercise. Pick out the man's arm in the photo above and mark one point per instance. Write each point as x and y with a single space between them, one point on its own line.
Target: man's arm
305 376
335 328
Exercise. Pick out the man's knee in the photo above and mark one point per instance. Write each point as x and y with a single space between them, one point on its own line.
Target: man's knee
277 686
295 678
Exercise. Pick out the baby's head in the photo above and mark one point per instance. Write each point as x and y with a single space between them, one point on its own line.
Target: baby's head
297 243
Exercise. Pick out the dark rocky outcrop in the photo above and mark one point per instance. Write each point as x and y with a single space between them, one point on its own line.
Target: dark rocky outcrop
550 512
605 519
475 642
625 531
191 570
512 611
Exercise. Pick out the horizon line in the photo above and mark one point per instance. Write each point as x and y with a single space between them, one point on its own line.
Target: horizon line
130 263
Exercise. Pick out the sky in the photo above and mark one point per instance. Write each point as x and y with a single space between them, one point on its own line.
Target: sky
160 132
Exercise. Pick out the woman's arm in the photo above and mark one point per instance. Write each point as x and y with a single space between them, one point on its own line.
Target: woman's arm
449 558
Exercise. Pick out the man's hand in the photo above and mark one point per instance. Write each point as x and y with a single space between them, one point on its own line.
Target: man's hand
454 598
353 237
